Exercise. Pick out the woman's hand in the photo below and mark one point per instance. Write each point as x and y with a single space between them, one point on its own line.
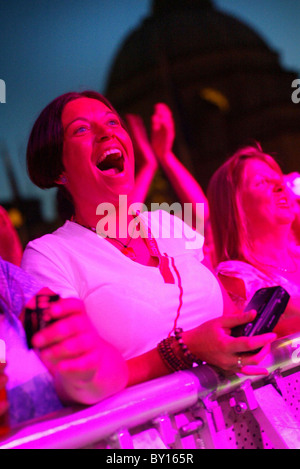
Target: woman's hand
212 343
142 148
85 368
145 159
162 131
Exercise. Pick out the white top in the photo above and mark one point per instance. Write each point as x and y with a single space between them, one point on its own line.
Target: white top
131 305
254 279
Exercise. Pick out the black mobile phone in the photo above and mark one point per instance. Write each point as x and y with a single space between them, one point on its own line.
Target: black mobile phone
270 304
38 317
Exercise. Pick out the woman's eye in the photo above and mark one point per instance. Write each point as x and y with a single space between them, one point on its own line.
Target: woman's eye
81 129
261 182
113 122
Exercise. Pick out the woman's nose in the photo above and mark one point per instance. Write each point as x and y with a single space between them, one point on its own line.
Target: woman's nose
278 186
104 132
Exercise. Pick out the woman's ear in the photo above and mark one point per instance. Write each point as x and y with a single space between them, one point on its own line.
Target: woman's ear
61 180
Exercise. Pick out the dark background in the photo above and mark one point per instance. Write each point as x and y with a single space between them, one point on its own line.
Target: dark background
50 47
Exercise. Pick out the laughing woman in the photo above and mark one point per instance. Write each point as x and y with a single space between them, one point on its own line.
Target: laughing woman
252 215
140 276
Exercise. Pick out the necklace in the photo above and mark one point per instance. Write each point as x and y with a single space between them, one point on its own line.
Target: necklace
126 250
281 269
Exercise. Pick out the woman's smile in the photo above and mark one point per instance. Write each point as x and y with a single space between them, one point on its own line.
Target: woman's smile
111 162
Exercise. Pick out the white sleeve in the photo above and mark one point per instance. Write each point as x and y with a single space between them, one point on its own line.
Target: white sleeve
49 269
252 278
178 233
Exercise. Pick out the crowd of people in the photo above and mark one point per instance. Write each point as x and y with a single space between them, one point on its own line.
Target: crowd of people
137 301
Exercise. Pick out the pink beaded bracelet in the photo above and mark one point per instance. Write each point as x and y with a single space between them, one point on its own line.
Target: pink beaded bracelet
175 353
187 354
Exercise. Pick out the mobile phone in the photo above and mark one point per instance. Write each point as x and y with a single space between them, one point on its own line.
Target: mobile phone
270 304
38 317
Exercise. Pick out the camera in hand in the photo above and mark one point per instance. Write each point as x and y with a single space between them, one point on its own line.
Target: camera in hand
38 317
270 304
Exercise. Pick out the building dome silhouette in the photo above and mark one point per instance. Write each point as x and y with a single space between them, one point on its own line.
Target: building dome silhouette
181 30
223 82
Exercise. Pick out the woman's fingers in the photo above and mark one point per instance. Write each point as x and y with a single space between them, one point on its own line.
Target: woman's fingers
250 344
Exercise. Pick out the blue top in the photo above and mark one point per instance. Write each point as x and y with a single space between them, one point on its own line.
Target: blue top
30 387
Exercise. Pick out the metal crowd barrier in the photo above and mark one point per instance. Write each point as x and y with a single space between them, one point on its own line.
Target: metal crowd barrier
194 409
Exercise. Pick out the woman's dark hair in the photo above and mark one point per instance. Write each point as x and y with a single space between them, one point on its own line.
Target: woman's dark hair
45 144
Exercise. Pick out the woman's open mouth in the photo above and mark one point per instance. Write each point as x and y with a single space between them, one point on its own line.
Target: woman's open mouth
111 162
283 202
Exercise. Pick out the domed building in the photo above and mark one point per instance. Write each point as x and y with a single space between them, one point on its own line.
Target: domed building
223 82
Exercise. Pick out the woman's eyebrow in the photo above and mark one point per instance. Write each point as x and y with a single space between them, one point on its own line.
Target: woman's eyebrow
74 120
79 118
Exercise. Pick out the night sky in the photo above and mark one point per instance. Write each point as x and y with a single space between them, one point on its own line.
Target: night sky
50 47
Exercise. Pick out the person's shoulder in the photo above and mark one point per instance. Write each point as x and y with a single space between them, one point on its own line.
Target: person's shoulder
8 269
169 223
163 225
234 266
249 273
18 281
64 232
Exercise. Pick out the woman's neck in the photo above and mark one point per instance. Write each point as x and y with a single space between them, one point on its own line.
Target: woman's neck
113 222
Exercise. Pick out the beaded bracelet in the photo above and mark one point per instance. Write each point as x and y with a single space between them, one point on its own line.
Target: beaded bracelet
187 354
175 354
167 354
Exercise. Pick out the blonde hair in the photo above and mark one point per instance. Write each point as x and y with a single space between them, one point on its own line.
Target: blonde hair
228 221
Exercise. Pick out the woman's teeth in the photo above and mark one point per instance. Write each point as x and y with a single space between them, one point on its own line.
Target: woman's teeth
111 160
